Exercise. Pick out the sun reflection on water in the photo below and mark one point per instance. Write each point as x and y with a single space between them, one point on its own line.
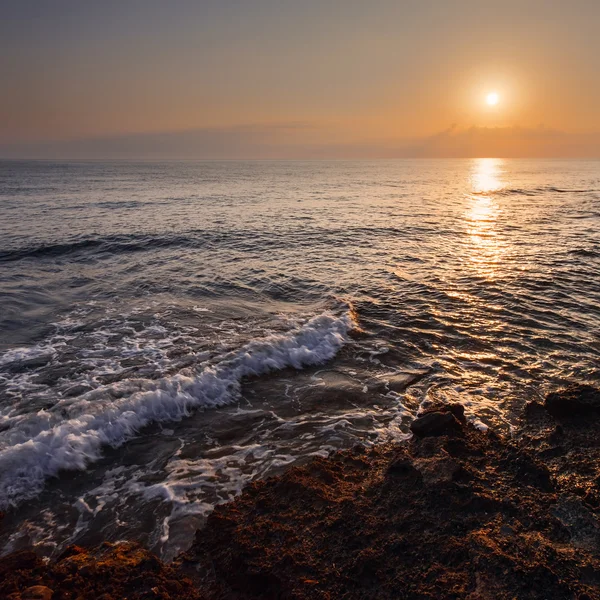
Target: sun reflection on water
484 245
486 175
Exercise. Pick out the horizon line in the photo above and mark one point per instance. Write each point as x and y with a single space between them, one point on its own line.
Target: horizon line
283 159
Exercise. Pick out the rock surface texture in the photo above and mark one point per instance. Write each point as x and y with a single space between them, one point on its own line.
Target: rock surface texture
110 572
453 513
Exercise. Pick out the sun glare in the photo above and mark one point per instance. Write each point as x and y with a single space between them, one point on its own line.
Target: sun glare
492 99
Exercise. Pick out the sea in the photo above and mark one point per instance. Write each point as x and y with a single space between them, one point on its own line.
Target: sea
173 331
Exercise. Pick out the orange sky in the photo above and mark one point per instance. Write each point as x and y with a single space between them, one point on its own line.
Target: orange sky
281 78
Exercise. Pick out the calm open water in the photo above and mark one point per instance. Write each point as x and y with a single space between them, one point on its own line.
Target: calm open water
172 331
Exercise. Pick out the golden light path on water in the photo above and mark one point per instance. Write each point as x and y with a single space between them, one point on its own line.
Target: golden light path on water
485 248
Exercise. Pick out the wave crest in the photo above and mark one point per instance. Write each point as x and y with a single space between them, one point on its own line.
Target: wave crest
76 441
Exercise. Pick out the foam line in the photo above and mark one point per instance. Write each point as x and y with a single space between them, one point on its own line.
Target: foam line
75 442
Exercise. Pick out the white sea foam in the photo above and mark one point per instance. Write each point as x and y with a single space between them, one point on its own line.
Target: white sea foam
43 449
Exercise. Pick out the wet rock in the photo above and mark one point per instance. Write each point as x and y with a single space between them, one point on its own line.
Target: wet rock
553 452
534 411
23 559
37 592
434 424
458 410
436 471
403 468
530 472
400 381
582 524
111 571
573 401
427 447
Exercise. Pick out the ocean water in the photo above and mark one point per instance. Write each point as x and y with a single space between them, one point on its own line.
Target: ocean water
172 331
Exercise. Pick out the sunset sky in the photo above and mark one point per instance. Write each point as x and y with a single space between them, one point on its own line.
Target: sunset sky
295 79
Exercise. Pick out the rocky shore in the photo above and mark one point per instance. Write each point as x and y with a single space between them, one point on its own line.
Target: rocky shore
453 513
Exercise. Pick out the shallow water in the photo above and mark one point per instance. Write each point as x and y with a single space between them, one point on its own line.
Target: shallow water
170 332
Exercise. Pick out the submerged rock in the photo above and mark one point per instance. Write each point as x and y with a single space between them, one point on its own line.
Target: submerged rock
445 420
573 401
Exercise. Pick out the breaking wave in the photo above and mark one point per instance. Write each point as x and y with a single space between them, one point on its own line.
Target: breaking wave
75 437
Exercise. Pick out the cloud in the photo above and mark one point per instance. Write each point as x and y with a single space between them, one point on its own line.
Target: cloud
506 142
306 140
243 141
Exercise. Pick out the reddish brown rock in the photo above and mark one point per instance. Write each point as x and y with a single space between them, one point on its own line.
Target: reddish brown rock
111 572
573 401
37 592
462 514
441 420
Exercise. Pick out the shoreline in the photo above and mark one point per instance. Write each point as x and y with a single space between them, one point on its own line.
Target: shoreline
453 512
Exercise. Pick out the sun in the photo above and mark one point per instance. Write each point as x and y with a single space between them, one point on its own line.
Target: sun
492 98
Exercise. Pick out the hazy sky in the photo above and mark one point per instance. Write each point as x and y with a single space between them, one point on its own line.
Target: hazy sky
279 78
